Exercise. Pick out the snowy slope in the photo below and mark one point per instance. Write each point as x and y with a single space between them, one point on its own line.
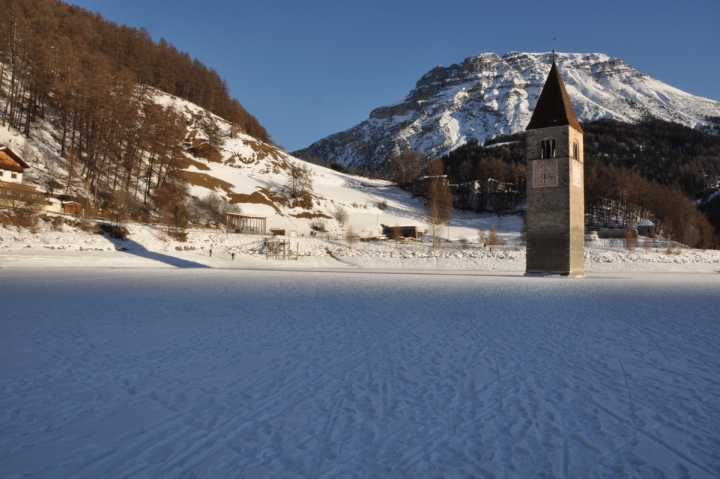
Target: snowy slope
247 172
487 95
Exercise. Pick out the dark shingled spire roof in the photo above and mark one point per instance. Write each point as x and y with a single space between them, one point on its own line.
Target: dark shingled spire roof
553 107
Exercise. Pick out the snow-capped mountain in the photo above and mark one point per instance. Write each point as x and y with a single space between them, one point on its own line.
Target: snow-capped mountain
487 95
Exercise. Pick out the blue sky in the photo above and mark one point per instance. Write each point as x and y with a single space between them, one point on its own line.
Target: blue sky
307 69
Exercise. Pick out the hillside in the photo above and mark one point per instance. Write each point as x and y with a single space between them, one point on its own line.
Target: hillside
211 159
136 129
488 95
59 60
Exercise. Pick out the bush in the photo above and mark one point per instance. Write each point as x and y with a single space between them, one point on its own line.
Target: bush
57 223
337 167
115 231
340 215
382 205
318 224
493 238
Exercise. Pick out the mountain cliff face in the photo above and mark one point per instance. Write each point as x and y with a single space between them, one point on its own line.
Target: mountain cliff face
487 95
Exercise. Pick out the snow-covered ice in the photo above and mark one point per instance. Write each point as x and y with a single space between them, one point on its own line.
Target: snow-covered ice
257 372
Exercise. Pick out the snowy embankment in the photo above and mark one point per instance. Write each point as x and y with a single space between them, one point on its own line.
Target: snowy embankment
198 372
150 246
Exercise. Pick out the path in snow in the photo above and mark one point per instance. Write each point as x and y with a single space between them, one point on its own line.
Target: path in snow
232 373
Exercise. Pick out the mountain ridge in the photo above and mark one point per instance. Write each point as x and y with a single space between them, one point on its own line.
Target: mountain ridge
487 95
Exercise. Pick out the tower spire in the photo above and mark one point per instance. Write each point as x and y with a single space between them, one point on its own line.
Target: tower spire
553 107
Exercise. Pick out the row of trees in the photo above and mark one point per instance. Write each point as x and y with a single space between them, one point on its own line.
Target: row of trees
50 46
672 155
615 195
88 78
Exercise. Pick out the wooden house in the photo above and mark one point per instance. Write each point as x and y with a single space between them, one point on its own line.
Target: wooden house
11 166
12 192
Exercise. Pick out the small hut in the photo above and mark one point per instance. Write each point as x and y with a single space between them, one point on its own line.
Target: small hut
403 231
646 228
72 208
246 224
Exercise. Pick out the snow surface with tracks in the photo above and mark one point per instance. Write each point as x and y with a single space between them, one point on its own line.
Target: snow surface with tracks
375 361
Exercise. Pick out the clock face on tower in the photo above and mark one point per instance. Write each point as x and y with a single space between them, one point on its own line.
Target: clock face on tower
545 173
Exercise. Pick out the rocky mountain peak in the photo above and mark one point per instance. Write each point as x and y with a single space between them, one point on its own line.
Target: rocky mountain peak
487 95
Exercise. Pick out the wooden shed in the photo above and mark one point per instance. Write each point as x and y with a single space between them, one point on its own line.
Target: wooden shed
246 224
404 231
72 208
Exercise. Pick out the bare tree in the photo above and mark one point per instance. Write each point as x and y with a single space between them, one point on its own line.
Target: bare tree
214 208
72 165
397 234
482 236
630 239
299 179
405 166
493 238
439 206
341 215
351 237
21 205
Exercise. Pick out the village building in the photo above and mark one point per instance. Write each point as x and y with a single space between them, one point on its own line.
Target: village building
402 231
646 228
421 186
12 191
11 166
246 224
555 215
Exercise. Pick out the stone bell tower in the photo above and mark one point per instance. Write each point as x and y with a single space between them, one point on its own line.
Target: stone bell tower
555 216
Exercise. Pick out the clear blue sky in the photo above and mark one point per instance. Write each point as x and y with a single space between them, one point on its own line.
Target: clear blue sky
307 69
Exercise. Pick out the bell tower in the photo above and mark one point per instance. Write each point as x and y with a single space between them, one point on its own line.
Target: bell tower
555 215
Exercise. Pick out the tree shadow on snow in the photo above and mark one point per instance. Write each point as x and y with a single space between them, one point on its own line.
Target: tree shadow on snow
131 247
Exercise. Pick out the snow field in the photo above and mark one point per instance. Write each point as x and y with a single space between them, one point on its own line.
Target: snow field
189 372
149 246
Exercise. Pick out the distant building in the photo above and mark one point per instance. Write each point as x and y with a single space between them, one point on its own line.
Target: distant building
646 228
403 231
246 224
12 192
72 208
421 186
11 166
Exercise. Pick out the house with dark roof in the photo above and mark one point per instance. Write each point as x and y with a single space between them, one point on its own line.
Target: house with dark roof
11 166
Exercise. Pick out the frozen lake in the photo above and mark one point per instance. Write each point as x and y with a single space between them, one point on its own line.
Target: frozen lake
357 373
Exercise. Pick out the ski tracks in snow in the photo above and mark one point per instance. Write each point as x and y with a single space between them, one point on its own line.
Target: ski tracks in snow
223 374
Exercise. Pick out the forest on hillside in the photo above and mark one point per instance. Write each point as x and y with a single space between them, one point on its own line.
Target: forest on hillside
652 169
58 53
91 82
